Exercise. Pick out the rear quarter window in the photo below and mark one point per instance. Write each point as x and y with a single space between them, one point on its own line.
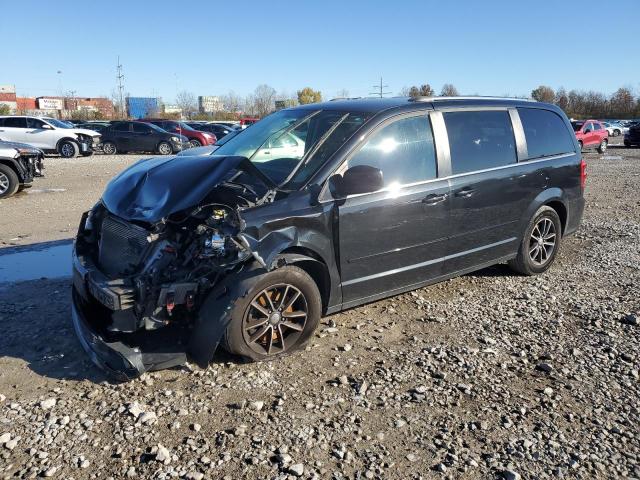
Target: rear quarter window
545 132
479 140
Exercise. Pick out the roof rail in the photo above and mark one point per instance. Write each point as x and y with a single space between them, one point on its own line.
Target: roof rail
472 97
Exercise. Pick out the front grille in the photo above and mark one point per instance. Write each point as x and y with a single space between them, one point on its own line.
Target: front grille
122 246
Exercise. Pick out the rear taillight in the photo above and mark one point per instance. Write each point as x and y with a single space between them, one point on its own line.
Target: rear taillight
583 174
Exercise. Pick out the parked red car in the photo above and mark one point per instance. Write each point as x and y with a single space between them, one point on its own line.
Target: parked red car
591 134
196 137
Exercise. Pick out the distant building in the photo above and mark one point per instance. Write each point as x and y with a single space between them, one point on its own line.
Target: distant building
8 97
140 107
209 104
286 103
173 110
26 105
97 105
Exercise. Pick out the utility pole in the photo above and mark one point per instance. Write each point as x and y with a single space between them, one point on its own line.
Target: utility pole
120 78
380 89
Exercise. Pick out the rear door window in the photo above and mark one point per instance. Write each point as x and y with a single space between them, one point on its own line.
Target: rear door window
403 150
479 140
15 122
141 128
545 132
121 127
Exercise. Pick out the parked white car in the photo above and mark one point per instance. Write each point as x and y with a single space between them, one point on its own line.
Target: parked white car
49 134
284 146
613 129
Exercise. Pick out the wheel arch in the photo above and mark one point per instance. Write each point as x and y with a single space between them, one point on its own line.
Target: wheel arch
313 264
66 139
13 165
551 197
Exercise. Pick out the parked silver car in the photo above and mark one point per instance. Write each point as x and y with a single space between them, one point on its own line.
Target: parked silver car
19 164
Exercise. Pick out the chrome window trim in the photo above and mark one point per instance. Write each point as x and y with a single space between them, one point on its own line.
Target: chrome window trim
414 184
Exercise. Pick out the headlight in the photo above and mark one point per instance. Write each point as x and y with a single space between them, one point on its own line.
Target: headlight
175 139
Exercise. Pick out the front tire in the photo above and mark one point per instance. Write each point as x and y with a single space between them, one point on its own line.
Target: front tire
580 145
164 148
9 181
616 133
603 146
68 149
276 317
540 243
109 148
195 143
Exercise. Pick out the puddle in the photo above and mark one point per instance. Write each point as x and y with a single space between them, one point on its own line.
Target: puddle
31 191
31 262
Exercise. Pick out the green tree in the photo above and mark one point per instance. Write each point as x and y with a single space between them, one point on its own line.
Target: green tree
4 109
309 95
544 94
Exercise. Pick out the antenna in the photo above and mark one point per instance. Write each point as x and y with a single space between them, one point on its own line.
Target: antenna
380 93
120 77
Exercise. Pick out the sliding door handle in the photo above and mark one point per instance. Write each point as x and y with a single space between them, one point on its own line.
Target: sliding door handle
465 192
434 198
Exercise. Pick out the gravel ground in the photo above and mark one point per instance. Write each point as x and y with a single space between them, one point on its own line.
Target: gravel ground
490 375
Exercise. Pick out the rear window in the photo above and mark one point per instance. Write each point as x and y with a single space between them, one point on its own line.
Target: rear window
545 132
480 140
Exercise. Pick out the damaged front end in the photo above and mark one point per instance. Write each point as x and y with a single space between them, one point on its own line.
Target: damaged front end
138 286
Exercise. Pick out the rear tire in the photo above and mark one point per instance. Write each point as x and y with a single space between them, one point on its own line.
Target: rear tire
263 318
581 145
9 181
195 143
68 149
540 243
603 146
616 133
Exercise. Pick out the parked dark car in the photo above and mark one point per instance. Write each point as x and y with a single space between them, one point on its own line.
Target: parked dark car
215 128
130 136
19 165
95 126
248 248
632 137
196 137
210 149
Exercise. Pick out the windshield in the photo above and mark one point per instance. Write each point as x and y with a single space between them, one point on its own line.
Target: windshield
184 126
577 126
155 127
290 145
59 123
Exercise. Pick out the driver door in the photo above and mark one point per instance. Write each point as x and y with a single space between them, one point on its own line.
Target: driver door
395 237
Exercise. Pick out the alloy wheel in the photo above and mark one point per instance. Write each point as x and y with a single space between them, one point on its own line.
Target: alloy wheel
67 150
542 242
164 149
4 183
108 149
603 146
275 319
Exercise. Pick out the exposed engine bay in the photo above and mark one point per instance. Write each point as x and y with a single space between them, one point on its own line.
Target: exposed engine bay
158 274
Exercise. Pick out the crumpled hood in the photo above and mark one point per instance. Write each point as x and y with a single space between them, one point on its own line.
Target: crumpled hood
155 188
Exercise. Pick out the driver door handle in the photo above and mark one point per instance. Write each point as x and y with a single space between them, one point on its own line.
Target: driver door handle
434 198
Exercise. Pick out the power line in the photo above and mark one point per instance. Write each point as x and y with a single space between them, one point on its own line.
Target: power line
120 77
381 93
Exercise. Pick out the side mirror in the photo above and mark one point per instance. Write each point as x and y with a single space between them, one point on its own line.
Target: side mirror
46 126
360 179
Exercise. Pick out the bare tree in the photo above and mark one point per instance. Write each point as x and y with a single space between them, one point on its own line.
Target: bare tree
264 98
342 93
187 102
232 102
309 95
448 90
405 92
424 90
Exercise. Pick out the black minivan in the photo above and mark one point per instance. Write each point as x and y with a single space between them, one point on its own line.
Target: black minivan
313 210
